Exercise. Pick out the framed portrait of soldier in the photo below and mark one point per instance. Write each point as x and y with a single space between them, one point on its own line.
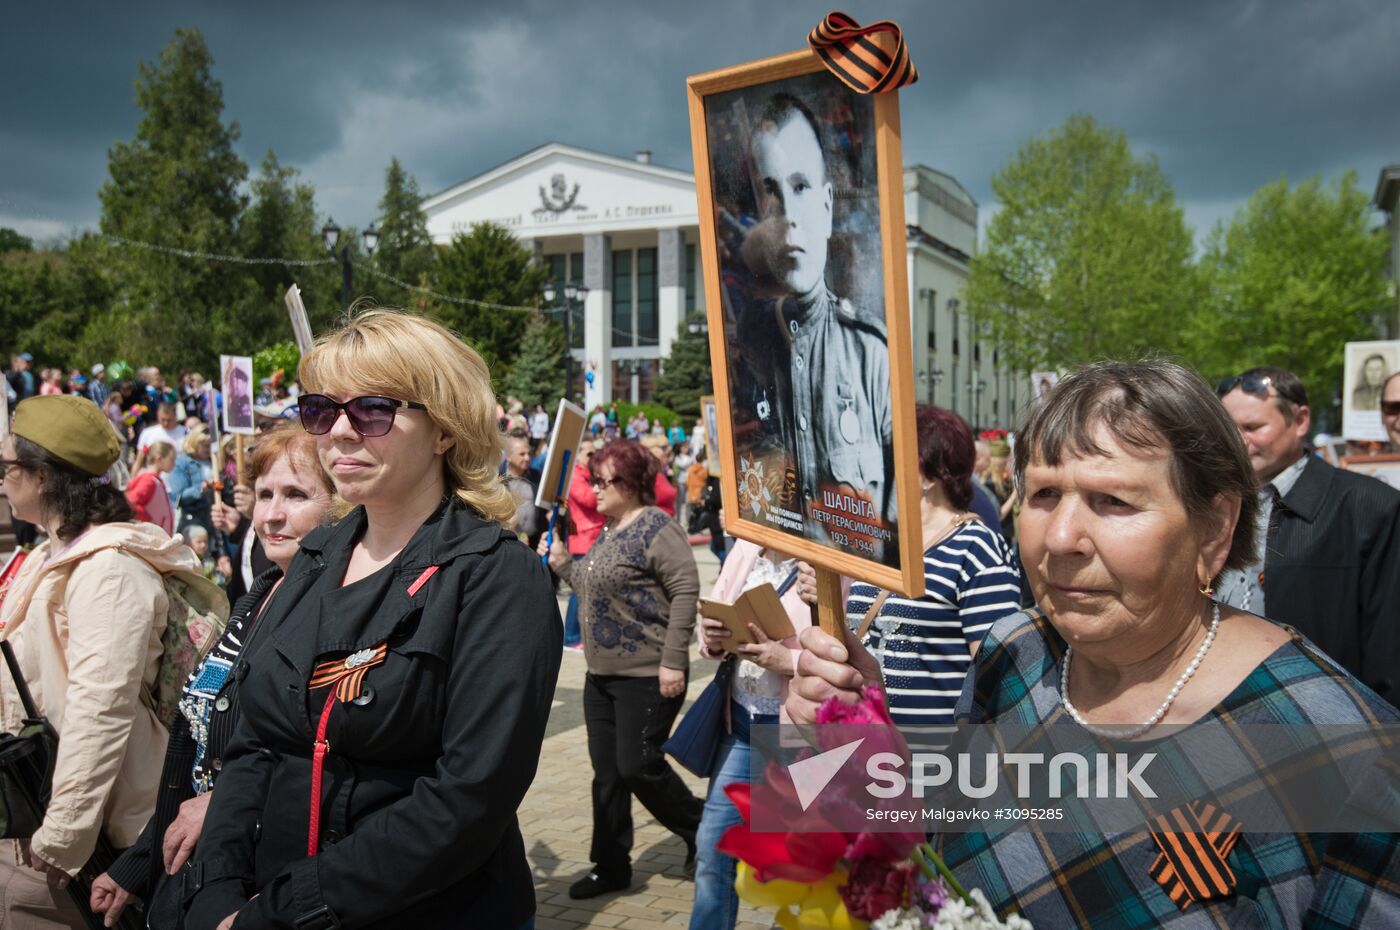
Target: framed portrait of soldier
802 238
1366 367
236 375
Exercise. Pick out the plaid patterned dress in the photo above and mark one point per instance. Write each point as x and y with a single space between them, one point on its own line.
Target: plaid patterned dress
1101 881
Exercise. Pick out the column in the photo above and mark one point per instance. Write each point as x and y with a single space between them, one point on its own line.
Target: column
670 270
597 319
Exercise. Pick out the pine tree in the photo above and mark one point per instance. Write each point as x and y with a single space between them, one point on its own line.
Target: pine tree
176 184
685 376
537 377
281 221
405 249
489 264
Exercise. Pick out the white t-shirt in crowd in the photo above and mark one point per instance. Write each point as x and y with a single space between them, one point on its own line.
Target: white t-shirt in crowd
157 433
539 425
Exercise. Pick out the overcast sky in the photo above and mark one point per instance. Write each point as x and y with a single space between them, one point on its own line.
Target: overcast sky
1229 95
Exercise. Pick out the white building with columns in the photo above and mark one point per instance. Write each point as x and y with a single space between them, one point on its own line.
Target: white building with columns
627 230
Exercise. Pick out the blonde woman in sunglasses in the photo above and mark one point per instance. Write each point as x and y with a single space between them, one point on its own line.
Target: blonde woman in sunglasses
395 702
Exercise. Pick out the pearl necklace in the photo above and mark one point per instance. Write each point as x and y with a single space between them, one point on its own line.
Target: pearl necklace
1130 732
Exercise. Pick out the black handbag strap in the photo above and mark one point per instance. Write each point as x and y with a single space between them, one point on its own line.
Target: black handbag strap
25 698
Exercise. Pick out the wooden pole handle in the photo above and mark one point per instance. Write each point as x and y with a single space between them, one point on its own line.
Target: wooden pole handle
238 456
831 608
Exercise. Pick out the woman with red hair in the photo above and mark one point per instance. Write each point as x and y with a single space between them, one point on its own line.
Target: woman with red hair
637 590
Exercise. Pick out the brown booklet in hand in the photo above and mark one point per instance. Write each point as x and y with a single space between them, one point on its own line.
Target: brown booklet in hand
759 606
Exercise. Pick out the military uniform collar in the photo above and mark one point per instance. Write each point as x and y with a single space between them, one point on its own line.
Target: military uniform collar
800 316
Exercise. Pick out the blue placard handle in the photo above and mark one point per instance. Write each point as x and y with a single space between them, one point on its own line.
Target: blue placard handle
554 512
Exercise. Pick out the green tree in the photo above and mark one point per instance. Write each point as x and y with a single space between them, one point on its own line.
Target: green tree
176 185
12 241
281 222
34 312
488 264
537 377
685 376
1297 273
49 298
1089 255
405 249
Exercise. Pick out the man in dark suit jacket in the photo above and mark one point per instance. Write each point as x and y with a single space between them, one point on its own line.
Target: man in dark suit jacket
1331 560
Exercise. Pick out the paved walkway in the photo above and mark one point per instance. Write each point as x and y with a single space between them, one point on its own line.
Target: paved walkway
557 820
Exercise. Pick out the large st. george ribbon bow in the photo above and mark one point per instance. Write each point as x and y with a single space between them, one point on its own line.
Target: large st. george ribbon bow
1193 843
868 59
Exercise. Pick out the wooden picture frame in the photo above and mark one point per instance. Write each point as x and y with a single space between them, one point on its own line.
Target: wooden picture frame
1384 467
809 334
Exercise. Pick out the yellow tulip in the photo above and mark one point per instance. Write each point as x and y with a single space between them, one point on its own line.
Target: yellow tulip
823 908
775 893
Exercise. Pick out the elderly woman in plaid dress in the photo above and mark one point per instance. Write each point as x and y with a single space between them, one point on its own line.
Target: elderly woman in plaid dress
1137 493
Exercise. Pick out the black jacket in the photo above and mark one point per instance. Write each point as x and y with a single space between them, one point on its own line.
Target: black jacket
140 868
1332 570
422 781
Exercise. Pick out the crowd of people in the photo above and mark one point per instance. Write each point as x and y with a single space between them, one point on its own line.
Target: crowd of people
1141 551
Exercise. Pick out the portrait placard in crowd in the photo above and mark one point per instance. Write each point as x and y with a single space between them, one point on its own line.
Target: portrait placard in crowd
236 372
709 410
800 183
1043 382
1384 467
558 469
301 324
1365 369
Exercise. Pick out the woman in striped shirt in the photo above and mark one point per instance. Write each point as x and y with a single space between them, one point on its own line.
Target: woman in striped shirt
971 579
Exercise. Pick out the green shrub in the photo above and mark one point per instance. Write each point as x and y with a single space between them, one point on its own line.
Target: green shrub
283 355
626 411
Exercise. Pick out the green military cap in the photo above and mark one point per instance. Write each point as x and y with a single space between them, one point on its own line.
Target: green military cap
999 448
71 428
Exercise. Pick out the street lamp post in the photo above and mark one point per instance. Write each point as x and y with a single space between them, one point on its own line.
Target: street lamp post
571 292
953 304
330 235
975 389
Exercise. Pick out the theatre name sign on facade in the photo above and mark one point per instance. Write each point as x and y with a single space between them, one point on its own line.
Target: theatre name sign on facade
624 228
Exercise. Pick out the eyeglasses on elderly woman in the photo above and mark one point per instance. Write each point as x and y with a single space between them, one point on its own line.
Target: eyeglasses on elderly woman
370 415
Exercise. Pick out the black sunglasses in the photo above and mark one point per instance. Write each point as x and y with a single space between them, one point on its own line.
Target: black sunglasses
1390 408
1258 385
370 415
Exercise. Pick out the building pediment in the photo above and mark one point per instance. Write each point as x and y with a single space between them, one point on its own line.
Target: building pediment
562 190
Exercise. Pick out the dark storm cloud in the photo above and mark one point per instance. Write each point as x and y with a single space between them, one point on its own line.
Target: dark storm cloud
1227 95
